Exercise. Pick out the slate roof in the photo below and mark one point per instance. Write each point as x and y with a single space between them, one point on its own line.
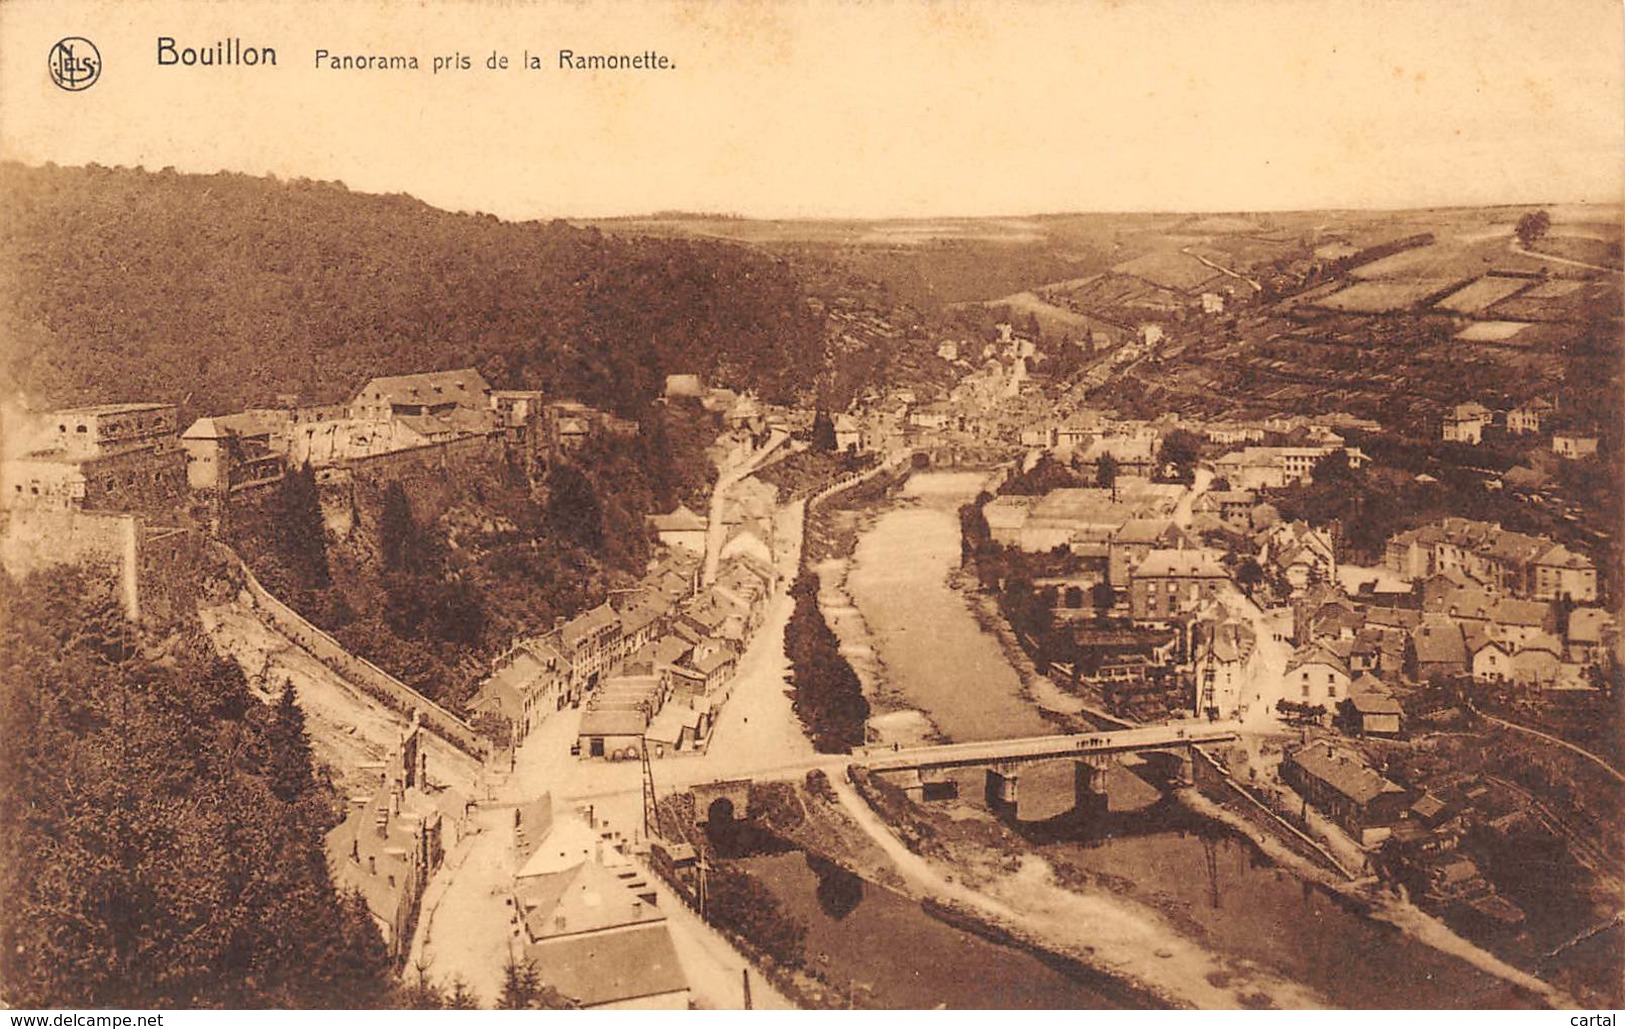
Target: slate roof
1376 704
244 423
1559 556
463 386
1142 530
1586 624
714 660
577 629
1228 641
1316 654
1347 775
680 520
611 722
1180 564
603 968
1439 641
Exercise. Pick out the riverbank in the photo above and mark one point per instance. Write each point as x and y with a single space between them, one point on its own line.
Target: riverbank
956 662
832 540
977 867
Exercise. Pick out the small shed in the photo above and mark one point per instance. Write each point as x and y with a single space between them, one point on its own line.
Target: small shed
1378 715
611 732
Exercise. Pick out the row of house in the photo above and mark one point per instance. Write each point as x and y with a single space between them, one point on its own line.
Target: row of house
1466 422
651 665
1484 554
1418 828
134 457
1083 519
1454 631
392 839
1255 468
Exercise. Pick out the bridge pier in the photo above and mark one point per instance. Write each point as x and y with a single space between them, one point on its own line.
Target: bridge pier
1089 786
1187 767
1003 790
911 784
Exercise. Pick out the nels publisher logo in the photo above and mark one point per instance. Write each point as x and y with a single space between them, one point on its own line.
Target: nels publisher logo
75 63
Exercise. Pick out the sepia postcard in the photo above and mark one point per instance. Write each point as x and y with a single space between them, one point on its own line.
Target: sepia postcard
811 505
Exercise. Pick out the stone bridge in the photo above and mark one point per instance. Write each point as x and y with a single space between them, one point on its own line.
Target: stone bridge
734 792
922 771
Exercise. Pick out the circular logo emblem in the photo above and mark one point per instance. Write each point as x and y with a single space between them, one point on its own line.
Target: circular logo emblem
75 63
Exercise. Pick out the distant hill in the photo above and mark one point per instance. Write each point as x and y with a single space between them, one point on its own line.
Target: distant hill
221 291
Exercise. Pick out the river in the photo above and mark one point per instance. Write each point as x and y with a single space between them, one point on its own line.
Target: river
927 639
1212 884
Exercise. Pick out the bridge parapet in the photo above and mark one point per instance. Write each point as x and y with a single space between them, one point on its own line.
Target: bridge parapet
1099 746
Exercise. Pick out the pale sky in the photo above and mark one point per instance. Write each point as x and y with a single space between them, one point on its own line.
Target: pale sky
864 109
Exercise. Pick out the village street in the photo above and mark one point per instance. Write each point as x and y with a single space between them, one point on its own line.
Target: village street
1199 485
467 926
1266 669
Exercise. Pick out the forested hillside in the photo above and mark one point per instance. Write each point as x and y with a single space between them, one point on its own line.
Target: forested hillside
163 826
219 292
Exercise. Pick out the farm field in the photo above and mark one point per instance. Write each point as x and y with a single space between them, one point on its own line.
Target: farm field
1387 295
1481 293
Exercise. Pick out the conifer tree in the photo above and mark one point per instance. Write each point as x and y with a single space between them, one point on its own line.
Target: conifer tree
301 535
292 770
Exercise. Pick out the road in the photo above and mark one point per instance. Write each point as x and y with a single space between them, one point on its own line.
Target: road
1120 937
1257 287
1588 755
1538 256
715 529
1199 485
1115 741
1266 669
466 926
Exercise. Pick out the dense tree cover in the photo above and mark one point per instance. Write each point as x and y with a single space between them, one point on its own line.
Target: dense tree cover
735 901
1180 450
1106 473
823 432
828 695
435 579
218 292
1532 226
163 828
1045 475
839 890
